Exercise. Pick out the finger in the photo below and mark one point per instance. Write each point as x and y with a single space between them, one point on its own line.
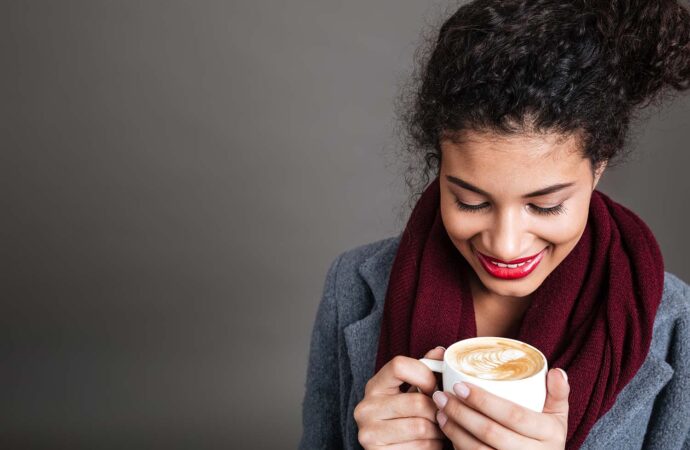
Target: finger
405 429
514 417
427 444
434 353
457 435
399 370
482 427
557 392
408 405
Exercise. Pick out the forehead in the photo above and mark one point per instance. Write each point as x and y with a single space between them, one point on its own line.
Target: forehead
528 153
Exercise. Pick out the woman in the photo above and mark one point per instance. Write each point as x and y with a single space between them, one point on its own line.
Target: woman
521 106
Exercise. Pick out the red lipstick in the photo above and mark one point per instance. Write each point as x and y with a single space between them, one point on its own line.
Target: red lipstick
525 267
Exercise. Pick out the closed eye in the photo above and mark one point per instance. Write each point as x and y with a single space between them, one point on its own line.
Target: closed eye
558 209
466 207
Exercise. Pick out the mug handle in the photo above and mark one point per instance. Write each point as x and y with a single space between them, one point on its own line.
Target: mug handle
433 364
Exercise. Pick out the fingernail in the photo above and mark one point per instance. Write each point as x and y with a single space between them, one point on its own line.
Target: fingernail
461 389
440 346
565 375
440 399
441 418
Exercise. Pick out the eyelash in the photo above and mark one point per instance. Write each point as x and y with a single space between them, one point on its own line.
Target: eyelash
559 209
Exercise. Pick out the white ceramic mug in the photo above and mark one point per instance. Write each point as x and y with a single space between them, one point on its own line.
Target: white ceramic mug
529 392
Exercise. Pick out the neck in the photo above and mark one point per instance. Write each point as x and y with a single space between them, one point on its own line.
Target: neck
497 315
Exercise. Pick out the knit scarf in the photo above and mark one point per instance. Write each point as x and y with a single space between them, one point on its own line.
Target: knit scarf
592 315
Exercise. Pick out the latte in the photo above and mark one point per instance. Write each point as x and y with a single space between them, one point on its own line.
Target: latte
496 359
505 367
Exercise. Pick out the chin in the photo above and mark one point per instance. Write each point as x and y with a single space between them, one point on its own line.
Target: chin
510 288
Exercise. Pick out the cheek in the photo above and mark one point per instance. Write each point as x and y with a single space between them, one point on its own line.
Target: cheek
565 229
461 226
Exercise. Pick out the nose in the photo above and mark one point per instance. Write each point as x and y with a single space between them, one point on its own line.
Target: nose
507 234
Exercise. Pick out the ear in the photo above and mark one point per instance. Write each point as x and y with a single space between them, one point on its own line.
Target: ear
598 172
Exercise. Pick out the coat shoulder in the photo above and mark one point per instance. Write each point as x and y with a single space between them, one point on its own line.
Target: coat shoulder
676 292
675 300
351 259
361 276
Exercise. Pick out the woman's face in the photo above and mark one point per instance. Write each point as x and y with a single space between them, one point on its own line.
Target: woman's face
514 206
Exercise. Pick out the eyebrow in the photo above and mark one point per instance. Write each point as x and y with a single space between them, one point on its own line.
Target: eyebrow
540 192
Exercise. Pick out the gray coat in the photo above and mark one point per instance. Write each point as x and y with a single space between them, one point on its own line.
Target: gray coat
651 412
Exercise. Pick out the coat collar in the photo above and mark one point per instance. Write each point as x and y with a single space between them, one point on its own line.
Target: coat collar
362 336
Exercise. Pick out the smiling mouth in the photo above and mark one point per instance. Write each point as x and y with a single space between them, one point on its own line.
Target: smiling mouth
510 270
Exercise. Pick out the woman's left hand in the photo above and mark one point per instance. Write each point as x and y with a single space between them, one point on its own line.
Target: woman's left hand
482 420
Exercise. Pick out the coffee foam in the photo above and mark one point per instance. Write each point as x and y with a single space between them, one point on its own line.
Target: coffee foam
496 359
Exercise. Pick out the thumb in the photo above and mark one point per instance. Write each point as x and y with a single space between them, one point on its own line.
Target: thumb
557 391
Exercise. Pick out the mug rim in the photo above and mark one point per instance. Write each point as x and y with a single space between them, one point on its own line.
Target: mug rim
448 365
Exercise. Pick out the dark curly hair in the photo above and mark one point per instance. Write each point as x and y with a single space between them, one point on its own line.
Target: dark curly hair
580 67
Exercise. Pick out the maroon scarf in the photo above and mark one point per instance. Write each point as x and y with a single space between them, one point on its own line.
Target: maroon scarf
592 316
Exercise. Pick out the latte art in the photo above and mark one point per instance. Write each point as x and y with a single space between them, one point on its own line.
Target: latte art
497 359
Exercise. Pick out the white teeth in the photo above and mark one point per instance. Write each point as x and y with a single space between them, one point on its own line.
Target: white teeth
511 266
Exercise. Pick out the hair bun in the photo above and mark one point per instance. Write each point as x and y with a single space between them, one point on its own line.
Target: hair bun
649 41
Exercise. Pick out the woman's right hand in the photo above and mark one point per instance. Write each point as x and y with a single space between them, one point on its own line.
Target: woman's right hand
394 420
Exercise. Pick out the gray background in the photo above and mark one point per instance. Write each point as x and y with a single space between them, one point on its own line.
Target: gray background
176 178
